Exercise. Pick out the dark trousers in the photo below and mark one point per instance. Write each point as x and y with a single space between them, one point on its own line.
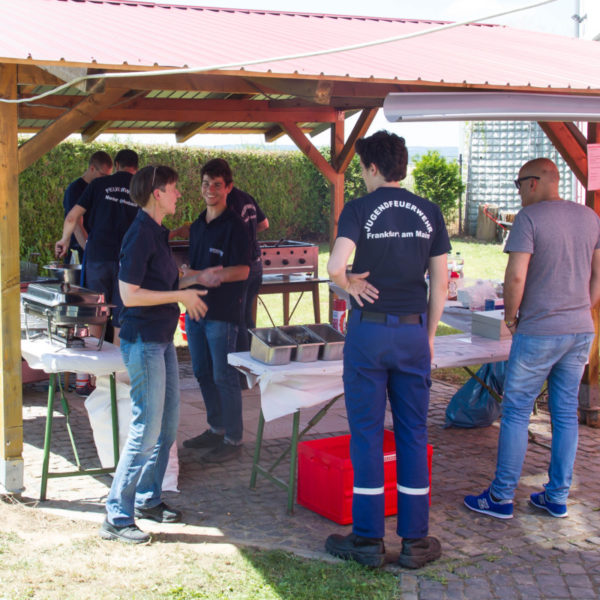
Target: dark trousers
251 287
388 359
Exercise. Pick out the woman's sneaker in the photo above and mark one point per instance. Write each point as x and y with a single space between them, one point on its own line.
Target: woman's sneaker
539 500
501 509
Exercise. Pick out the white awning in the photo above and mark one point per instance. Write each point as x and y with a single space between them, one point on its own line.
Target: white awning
490 106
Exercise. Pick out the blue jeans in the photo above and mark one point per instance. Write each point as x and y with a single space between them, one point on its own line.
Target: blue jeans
533 359
209 343
154 375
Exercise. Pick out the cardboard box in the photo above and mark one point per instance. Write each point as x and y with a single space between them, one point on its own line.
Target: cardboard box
325 476
490 324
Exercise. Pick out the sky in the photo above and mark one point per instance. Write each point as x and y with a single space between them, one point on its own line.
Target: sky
555 17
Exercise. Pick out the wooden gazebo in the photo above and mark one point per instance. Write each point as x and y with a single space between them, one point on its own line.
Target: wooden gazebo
118 66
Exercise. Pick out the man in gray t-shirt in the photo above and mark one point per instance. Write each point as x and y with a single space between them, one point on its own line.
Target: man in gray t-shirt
552 280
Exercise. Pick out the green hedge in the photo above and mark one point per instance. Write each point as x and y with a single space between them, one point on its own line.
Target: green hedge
290 190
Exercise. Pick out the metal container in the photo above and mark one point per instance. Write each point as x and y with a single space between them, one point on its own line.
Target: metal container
66 273
308 342
333 341
67 309
271 346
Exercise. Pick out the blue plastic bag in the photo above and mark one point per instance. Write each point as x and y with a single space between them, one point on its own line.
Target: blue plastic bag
473 405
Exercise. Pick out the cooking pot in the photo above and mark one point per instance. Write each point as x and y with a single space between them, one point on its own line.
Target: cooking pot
67 273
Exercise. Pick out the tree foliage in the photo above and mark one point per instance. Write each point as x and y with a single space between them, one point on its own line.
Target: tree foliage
438 180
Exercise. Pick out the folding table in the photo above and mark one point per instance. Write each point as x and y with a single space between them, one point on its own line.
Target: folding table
54 359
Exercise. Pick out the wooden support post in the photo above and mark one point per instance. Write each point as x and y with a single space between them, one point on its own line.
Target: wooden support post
589 392
337 189
11 400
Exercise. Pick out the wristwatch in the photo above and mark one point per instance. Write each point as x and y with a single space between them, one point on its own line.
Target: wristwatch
510 323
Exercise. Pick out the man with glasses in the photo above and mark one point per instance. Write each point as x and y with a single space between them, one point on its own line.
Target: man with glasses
551 282
219 262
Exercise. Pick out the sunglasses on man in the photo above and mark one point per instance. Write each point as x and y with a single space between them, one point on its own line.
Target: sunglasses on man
520 180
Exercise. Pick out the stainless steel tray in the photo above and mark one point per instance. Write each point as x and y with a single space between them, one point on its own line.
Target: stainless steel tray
68 314
271 346
55 293
333 341
308 342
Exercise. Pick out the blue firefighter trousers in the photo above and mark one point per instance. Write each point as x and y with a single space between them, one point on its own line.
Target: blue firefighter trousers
381 360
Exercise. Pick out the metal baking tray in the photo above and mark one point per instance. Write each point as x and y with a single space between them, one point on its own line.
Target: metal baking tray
271 346
333 341
308 342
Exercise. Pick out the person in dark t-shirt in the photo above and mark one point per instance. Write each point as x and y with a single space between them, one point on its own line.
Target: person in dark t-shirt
100 165
219 262
397 237
255 220
109 212
149 282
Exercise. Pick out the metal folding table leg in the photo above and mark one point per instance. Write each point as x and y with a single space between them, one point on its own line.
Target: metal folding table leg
292 448
48 435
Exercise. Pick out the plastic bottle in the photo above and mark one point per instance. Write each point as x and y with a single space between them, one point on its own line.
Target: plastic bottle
339 315
453 286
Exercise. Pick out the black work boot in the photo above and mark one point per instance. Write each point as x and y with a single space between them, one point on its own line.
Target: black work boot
366 551
417 552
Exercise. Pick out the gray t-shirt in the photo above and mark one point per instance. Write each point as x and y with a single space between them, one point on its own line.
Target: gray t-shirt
561 237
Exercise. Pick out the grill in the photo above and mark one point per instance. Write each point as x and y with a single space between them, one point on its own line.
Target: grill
282 257
285 257
66 310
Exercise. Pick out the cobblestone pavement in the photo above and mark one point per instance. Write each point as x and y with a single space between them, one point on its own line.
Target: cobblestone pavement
532 556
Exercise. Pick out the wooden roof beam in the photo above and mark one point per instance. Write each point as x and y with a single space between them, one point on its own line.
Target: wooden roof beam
34 76
66 124
92 131
360 128
309 150
201 82
275 132
189 130
568 139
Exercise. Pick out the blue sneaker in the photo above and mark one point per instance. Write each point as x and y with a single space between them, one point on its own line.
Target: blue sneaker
539 500
485 505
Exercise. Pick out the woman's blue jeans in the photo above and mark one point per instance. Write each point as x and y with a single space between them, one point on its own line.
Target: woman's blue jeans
154 375
209 343
533 359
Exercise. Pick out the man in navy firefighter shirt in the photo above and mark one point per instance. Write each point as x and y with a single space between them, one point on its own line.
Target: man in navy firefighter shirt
397 237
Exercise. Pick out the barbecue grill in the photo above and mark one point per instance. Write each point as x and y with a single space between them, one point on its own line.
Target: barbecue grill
284 257
68 311
279 257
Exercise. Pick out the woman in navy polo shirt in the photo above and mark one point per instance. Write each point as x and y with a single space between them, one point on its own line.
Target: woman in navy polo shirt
148 283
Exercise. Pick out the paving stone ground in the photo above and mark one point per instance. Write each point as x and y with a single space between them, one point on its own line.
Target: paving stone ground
532 556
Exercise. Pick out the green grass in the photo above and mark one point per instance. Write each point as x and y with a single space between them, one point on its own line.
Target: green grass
483 260
265 575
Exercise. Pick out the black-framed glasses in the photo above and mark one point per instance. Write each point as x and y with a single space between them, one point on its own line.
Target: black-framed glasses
520 180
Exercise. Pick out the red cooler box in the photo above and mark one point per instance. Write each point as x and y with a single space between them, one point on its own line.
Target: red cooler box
325 476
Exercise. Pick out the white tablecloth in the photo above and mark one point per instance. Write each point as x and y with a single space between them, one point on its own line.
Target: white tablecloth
284 389
55 358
